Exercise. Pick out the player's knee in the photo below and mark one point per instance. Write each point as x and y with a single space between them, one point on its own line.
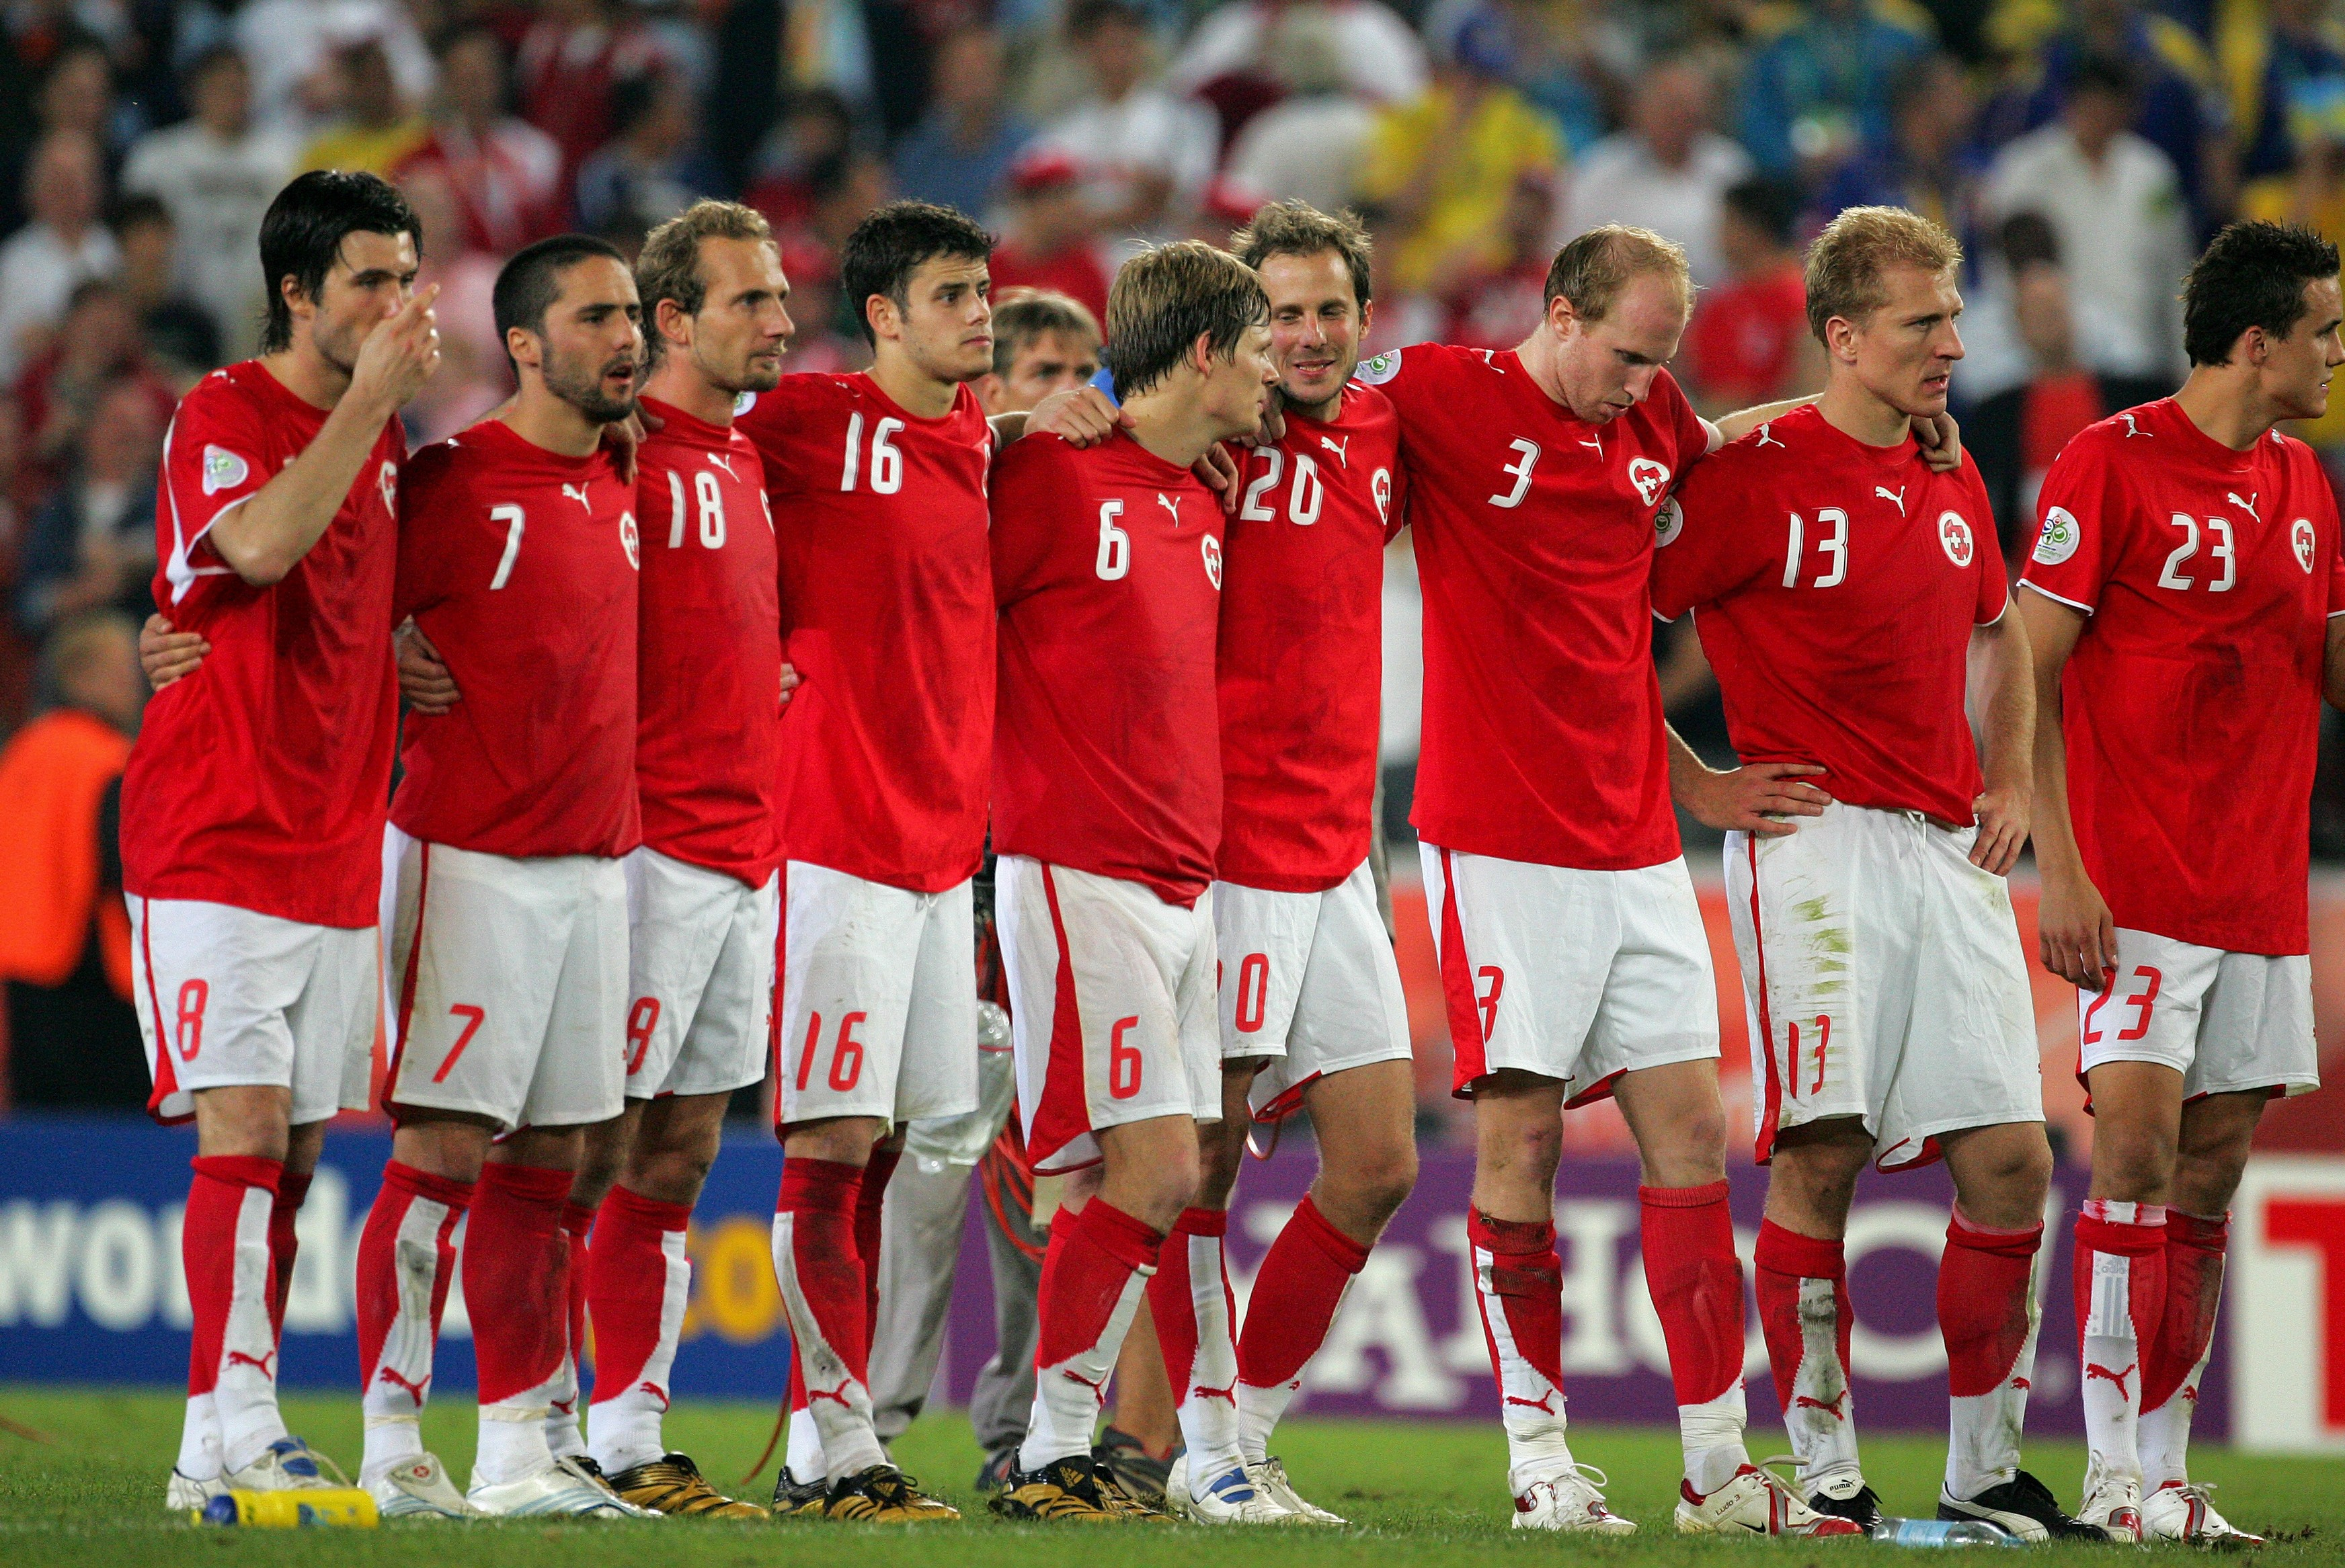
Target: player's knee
2131 1165
1373 1186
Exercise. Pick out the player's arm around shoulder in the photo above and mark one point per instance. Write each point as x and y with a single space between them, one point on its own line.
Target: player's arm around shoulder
1033 501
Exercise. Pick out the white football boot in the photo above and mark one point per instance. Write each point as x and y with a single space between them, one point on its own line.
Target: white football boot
185 1493
1269 1477
288 1465
1570 1501
2112 1505
1230 1498
1755 1502
2180 1511
556 1488
418 1488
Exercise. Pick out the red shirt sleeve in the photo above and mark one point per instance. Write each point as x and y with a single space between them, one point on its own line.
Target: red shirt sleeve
2081 515
1692 435
1706 543
212 461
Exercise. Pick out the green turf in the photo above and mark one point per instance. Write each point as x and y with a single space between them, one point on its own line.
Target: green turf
1422 1493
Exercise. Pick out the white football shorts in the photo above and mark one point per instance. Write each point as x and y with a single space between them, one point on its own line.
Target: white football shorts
700 987
1308 980
1883 979
1111 1006
227 997
1573 975
510 983
2225 1021
878 1013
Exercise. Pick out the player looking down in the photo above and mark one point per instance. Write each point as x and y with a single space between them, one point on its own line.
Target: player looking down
1844 592
2184 604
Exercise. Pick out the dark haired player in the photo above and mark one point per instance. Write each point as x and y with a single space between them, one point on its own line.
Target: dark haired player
1107 798
507 915
2185 617
252 806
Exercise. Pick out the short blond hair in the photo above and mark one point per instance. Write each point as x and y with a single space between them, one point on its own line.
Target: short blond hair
1846 262
1591 270
1024 316
669 265
1164 299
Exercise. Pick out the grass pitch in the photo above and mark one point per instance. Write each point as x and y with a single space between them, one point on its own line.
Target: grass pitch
81 1482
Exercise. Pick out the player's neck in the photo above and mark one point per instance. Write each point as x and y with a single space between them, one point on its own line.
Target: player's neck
542 420
308 375
1171 423
1847 407
909 388
2225 407
1326 412
678 383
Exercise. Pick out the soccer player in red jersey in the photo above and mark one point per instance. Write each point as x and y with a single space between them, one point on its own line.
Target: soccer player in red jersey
2184 604
506 897
1312 1013
252 806
1107 801
877 483
1572 954
1843 591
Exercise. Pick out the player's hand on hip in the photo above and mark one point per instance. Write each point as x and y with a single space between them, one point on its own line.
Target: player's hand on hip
1755 798
1079 416
2002 815
1940 441
2074 930
423 679
167 655
791 681
400 355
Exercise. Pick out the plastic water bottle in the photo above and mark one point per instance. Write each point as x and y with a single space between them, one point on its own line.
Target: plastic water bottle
349 1507
1941 1533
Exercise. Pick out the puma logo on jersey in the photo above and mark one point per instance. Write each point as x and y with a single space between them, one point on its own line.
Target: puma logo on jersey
1766 437
577 492
1172 504
2093 1371
1897 495
1596 442
1333 445
2248 506
2131 429
724 461
1831 1406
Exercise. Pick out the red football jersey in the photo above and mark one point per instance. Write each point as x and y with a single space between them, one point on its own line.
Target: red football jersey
1301 648
1107 758
708 663
1542 738
520 564
2191 707
887 607
1835 586
259 781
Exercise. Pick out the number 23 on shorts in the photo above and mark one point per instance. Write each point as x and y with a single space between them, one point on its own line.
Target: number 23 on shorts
2142 1002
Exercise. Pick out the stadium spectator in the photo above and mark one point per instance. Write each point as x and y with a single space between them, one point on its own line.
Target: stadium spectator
506 173
291 46
97 347
378 126
1748 341
34 38
569 68
177 331
75 95
825 344
474 375
2116 203
1309 146
65 939
650 170
217 173
63 245
1382 59
1495 305
2312 195
1049 241
92 544
1821 88
960 151
1666 172
816 130
1145 154
2293 67
1929 164
2015 435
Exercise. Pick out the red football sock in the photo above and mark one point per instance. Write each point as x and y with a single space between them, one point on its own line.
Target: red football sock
1092 1278
1519 1286
224 1247
825 1293
1804 1310
516 1279
407 1257
2120 1295
2194 1289
292 1186
1301 1283
1696 1282
1189 1300
1986 1313
871 1207
627 1271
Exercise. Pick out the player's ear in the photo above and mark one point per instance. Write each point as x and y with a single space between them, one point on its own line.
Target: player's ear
1560 315
520 344
880 311
1201 355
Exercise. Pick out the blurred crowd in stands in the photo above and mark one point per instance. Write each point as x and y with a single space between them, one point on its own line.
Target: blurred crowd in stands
2081 149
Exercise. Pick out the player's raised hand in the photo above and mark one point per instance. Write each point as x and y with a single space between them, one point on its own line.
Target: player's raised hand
2003 819
1756 797
1217 470
2074 930
1939 438
423 680
791 681
1079 416
399 356
167 655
